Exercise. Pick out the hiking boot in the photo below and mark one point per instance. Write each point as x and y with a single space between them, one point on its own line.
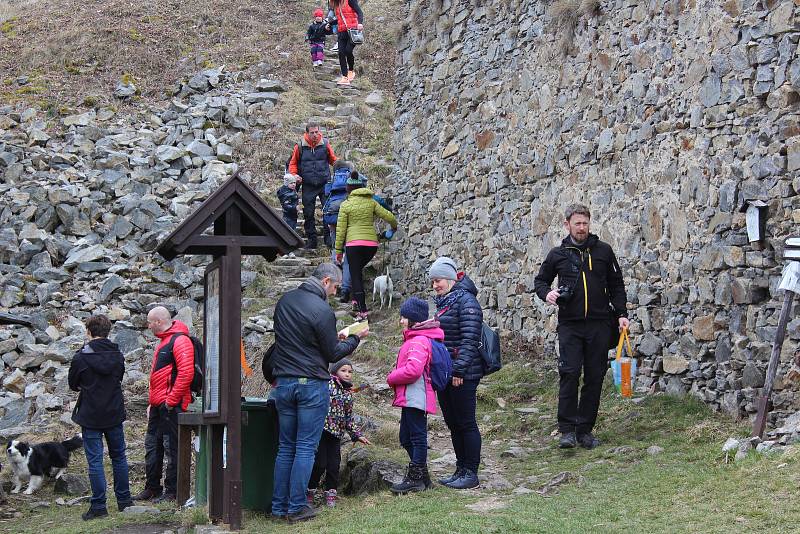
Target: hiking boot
147 494
426 478
456 474
304 514
351 75
121 506
568 441
467 480
588 441
91 513
330 498
311 244
411 482
345 297
344 80
166 497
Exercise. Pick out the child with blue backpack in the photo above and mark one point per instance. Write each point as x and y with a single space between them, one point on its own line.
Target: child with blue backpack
422 365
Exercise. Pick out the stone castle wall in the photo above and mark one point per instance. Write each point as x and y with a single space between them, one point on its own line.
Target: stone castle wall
665 117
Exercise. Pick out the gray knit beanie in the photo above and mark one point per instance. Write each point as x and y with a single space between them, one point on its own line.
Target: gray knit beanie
335 366
443 268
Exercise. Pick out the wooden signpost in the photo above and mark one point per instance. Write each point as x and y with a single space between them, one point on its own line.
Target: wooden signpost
242 224
790 284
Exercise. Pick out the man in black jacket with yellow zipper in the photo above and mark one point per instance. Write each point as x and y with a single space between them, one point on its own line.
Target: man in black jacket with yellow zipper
589 279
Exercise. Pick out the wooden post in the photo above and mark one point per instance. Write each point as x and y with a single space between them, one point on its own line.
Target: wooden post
184 463
760 422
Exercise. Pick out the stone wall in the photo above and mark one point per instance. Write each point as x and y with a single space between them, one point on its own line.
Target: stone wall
663 116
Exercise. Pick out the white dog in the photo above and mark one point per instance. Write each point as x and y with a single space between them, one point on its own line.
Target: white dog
384 287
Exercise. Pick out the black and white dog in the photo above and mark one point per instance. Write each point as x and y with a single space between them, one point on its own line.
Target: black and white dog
36 461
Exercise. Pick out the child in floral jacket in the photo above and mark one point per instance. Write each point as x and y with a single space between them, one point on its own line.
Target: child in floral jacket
338 424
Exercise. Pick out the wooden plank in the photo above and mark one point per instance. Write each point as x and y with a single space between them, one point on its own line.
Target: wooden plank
760 422
184 463
232 299
228 240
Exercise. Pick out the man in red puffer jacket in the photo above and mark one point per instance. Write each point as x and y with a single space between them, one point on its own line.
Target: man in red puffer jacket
170 376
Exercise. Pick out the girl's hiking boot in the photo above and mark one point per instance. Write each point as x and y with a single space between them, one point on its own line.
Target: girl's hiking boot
451 478
344 80
330 498
467 480
411 482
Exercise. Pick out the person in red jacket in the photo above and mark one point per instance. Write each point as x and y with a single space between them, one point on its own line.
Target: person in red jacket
349 17
170 376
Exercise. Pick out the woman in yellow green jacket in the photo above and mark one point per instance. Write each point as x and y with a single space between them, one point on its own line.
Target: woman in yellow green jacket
355 235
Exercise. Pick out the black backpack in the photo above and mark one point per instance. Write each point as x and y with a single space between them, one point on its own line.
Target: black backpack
199 360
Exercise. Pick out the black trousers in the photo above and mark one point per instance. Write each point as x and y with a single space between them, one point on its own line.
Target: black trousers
310 194
583 345
327 462
347 61
161 437
290 217
357 259
458 409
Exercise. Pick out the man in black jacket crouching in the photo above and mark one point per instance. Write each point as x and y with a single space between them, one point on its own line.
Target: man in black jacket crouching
306 341
96 373
589 278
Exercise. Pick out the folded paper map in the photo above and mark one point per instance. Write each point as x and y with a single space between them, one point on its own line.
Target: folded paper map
356 328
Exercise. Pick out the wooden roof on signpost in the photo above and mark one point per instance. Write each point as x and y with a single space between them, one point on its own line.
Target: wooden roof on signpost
262 230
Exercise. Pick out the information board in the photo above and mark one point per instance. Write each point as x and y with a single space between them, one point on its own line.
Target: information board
211 324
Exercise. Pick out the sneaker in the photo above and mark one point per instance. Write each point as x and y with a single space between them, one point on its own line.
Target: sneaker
467 480
166 497
330 498
568 441
147 494
588 441
305 514
351 75
451 478
91 513
344 80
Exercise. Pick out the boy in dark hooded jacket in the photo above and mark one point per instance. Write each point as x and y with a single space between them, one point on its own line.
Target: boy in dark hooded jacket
96 373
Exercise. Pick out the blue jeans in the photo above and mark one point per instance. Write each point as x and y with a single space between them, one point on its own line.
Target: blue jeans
93 447
345 265
302 405
414 434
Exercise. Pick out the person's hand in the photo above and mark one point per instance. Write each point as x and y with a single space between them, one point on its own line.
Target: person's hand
623 323
342 333
298 178
457 381
364 333
360 27
339 257
364 440
552 296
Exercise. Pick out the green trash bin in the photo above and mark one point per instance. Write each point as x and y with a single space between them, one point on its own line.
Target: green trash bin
259 449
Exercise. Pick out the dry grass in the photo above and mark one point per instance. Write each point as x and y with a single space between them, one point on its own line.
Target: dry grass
79 48
564 15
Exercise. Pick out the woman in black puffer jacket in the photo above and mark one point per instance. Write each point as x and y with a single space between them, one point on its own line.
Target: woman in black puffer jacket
460 316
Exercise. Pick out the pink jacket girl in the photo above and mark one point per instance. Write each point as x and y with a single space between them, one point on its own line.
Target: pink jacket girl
411 378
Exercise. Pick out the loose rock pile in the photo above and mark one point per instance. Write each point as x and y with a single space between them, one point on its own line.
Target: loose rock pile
84 201
665 120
